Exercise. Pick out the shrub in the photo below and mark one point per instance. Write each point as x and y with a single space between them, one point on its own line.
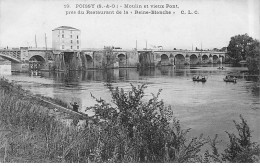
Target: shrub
240 148
137 131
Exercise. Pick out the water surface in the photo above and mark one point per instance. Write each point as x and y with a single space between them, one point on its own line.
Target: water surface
208 108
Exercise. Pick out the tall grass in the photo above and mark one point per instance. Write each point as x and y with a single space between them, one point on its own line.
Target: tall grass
30 134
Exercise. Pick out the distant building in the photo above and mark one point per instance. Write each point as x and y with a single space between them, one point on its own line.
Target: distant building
66 38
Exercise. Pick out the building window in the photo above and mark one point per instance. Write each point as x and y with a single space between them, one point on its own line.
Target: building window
71 41
77 36
70 36
70 31
62 46
71 47
62 31
77 47
77 42
62 36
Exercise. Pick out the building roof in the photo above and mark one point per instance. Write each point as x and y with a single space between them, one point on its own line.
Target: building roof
66 28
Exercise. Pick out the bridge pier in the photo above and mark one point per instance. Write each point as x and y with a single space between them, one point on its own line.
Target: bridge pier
210 59
146 59
187 60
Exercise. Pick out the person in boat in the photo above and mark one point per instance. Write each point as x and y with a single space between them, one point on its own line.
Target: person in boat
228 77
75 106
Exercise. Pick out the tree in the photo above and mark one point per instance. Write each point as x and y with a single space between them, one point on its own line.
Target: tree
238 47
253 58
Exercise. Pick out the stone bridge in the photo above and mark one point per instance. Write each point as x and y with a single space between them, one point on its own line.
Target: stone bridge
110 58
179 57
25 58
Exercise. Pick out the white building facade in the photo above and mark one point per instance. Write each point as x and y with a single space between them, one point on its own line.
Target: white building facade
66 38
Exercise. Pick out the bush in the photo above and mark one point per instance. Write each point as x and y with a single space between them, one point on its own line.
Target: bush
240 148
136 131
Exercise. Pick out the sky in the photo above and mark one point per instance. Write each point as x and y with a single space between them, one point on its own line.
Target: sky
216 23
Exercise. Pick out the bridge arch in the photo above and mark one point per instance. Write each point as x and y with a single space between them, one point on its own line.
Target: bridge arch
205 58
36 62
121 60
164 60
38 58
193 59
179 59
89 61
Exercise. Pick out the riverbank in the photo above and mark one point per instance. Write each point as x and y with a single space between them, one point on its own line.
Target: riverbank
130 132
35 128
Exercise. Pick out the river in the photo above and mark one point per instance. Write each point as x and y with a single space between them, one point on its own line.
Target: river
207 108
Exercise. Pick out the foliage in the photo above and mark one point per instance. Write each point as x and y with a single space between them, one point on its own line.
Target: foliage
253 58
29 133
244 47
238 48
136 131
240 148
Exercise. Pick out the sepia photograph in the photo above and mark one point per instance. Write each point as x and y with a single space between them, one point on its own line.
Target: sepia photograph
129 81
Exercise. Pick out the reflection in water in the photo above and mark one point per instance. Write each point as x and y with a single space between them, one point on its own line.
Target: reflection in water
147 72
111 75
207 108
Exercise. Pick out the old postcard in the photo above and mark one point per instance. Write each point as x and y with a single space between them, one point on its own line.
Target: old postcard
129 81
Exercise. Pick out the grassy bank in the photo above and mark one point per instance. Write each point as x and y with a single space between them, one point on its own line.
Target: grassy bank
131 130
32 132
